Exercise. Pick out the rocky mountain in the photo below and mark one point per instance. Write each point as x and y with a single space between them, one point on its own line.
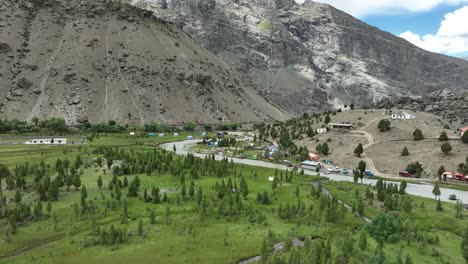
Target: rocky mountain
96 61
311 56
453 107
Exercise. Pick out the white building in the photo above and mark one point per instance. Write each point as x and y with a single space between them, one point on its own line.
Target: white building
321 130
403 115
47 141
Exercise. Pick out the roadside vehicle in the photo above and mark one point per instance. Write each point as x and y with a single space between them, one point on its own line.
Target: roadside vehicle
405 174
447 175
368 173
337 170
345 171
288 163
459 176
241 156
331 169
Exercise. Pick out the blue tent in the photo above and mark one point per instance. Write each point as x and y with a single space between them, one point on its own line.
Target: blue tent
151 134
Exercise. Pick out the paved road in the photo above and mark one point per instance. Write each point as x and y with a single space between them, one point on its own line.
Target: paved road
423 190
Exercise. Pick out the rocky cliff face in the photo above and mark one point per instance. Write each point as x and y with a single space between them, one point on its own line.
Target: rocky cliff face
99 60
311 56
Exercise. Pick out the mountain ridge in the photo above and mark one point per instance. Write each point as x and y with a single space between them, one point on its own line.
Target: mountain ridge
311 56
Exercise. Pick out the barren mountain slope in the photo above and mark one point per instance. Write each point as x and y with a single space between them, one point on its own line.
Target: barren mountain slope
100 60
311 56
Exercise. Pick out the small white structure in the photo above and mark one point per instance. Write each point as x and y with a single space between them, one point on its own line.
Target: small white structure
47 141
271 178
403 115
161 135
176 134
321 130
132 133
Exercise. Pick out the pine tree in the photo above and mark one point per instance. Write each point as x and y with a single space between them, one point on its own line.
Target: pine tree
325 149
18 196
446 148
192 190
359 150
140 227
436 190
405 152
152 216
76 181
99 182
443 136
384 125
49 208
418 135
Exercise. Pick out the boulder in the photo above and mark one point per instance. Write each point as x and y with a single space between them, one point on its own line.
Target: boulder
23 83
4 48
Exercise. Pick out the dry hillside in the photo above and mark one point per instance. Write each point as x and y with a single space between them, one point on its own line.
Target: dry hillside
101 60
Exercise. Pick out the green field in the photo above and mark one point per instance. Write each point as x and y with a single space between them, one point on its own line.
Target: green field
219 226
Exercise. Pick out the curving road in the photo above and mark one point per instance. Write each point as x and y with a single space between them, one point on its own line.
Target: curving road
422 190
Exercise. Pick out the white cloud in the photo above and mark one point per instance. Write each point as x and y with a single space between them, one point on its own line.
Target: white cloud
451 38
362 8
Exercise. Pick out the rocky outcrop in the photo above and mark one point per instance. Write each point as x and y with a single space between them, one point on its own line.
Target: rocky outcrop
450 106
101 60
311 56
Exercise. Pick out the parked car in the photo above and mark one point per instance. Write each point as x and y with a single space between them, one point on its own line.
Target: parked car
288 163
405 174
337 170
368 173
345 171
331 169
241 156
459 176
447 175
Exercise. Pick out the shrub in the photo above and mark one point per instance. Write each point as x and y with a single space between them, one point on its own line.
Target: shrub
405 152
446 148
384 125
418 135
443 137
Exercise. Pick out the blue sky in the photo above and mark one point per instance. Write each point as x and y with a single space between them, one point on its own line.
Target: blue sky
435 25
420 23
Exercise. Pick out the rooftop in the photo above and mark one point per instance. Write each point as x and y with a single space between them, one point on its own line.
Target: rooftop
310 163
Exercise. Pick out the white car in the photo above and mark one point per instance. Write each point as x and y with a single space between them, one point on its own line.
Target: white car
337 170
331 169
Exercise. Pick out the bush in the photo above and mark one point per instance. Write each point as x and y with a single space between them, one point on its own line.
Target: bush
453 197
464 138
384 125
418 135
446 148
415 168
443 137
405 152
